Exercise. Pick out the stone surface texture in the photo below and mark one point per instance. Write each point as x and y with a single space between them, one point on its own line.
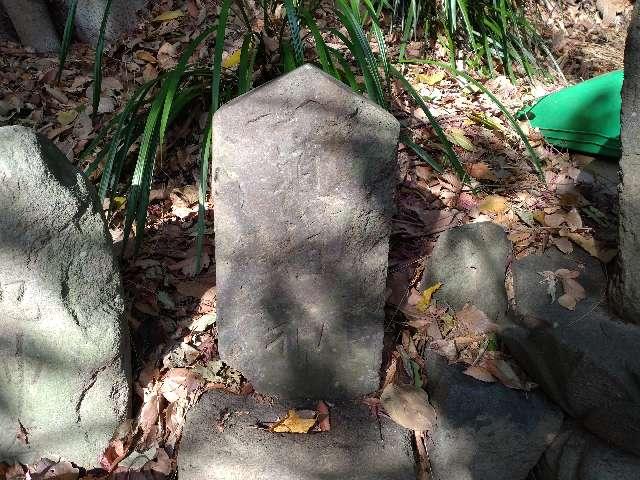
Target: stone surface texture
471 261
33 24
485 431
625 287
64 354
577 455
221 442
303 182
585 360
123 17
7 32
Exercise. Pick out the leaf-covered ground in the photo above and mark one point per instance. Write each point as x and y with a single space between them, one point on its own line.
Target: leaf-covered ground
172 312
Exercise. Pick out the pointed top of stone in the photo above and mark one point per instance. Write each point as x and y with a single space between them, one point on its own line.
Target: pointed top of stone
305 82
304 172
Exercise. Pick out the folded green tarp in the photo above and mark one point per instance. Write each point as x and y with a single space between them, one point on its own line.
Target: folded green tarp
584 117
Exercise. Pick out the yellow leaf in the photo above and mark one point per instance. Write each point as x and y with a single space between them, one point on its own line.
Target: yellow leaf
425 299
65 118
594 248
493 204
146 56
457 136
431 78
118 202
169 15
294 424
232 60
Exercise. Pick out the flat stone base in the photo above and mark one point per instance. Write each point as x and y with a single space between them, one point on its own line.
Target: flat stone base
222 442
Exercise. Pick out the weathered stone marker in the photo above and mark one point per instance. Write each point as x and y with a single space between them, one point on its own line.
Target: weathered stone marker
625 288
64 354
303 181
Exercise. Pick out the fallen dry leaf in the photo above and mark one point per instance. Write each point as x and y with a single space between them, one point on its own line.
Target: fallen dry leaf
505 373
480 373
563 244
425 298
457 136
591 246
493 204
554 220
475 320
481 171
409 407
169 15
293 423
446 348
324 422
573 292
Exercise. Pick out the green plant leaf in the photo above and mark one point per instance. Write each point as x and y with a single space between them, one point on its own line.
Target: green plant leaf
66 38
97 66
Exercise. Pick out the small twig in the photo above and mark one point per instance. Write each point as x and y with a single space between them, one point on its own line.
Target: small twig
483 349
425 472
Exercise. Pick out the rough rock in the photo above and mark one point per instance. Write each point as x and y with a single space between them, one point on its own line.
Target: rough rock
64 354
303 181
89 13
585 360
625 288
7 32
221 442
577 455
32 23
530 291
485 431
471 261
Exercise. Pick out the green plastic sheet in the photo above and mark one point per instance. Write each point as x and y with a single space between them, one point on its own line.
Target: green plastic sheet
583 117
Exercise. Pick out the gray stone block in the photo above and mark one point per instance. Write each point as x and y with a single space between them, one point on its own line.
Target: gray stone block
64 345
485 431
471 263
590 369
7 32
577 455
32 23
625 288
221 442
89 13
303 182
530 290
585 360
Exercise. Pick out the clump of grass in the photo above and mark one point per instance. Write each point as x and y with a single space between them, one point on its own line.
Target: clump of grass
155 106
488 33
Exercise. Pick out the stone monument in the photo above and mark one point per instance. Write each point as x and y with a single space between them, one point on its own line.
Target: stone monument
625 288
303 182
303 179
64 345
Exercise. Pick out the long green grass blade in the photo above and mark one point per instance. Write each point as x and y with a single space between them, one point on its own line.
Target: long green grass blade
245 68
349 77
361 50
382 45
203 181
421 153
66 38
294 27
321 46
146 159
175 76
216 68
288 57
97 67
448 149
